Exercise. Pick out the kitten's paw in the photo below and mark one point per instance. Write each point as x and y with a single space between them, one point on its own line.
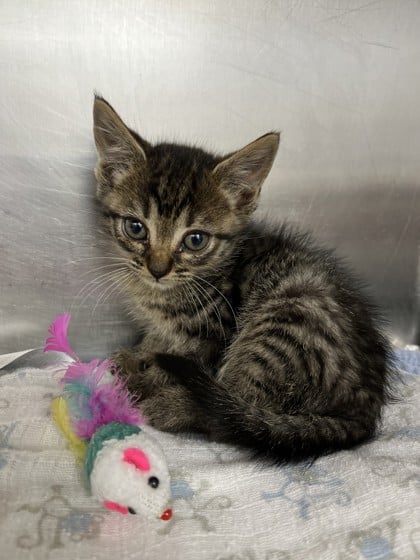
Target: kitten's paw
171 410
141 375
128 362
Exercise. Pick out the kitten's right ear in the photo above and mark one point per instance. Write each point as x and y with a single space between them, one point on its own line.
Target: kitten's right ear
118 149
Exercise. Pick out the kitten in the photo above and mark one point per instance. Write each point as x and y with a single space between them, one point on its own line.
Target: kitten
255 336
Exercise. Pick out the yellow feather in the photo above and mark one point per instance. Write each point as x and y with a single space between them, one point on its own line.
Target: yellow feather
60 415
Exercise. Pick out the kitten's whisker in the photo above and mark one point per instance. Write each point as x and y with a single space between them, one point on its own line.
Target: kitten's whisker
108 272
105 266
197 292
101 258
112 288
195 297
85 289
186 292
102 287
97 279
121 286
97 283
223 296
205 311
213 304
210 300
92 291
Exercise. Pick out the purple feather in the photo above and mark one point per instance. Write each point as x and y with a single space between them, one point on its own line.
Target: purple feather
91 401
110 402
58 340
86 373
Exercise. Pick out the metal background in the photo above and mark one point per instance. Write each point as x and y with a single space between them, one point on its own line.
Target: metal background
341 79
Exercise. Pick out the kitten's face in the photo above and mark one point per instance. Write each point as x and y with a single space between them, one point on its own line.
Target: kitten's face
174 212
169 220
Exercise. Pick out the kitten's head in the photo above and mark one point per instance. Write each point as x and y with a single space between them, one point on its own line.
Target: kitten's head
174 211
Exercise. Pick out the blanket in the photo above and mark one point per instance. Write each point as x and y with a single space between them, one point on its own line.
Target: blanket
357 504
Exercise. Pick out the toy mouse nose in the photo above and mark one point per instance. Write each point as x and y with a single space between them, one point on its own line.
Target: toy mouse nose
166 515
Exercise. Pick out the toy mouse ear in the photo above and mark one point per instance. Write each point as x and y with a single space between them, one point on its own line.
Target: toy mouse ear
136 457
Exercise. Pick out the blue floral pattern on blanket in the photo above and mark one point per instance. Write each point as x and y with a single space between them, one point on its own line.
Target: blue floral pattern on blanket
181 490
308 488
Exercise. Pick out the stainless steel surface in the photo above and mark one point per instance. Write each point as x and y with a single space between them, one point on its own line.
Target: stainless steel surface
341 79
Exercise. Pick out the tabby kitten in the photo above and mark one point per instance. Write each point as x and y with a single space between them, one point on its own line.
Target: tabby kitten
255 336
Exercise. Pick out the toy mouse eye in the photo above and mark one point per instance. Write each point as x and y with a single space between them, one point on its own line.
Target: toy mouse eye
153 482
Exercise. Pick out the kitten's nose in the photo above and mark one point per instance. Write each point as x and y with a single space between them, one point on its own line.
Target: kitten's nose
157 272
159 267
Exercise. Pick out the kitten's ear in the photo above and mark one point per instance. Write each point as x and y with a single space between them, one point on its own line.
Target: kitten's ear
242 174
118 149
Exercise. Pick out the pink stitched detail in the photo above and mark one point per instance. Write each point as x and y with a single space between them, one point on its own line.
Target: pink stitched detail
137 457
115 507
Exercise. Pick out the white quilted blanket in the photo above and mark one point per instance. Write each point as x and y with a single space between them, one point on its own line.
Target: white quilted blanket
359 504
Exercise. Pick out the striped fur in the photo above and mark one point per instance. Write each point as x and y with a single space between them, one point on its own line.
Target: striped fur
260 339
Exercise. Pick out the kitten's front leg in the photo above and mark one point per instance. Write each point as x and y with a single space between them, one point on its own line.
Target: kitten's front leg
139 370
165 405
171 409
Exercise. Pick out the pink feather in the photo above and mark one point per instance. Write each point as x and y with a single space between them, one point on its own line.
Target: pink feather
58 340
92 403
88 374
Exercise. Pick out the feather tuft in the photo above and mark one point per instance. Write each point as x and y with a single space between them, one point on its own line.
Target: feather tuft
58 340
93 403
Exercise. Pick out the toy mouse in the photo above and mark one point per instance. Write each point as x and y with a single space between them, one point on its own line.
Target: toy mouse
125 466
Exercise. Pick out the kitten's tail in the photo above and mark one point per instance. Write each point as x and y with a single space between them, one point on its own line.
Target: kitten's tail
279 437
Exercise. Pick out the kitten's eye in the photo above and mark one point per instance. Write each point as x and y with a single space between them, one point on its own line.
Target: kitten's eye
196 241
134 228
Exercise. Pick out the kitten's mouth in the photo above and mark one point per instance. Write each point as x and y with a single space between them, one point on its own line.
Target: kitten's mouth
157 284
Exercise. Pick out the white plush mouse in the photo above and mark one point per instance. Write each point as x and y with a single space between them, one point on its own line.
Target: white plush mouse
125 466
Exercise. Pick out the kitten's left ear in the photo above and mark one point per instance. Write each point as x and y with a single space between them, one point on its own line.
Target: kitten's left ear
242 174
